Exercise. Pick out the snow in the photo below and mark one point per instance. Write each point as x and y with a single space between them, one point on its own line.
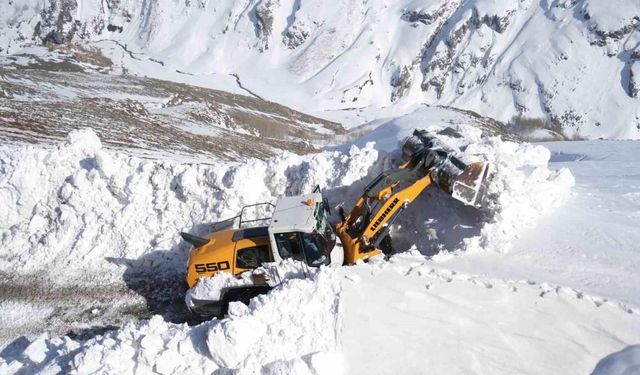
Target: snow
210 288
91 209
624 362
432 319
591 242
514 289
341 59
78 206
543 280
608 18
269 336
521 191
425 317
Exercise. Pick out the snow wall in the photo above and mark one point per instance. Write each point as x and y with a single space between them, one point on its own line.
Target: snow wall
72 210
84 208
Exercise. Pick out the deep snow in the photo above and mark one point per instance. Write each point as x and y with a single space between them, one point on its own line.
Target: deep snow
97 211
426 312
592 242
424 318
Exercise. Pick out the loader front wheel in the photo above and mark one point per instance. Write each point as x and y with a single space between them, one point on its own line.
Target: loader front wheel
386 246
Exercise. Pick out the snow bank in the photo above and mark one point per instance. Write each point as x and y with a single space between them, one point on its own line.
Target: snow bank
79 206
522 189
624 362
293 329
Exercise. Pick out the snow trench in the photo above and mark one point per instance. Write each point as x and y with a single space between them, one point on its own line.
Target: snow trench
290 330
81 213
79 206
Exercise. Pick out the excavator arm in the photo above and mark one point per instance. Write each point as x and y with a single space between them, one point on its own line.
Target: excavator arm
364 232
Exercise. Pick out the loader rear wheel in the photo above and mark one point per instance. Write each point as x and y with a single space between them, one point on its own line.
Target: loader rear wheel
386 245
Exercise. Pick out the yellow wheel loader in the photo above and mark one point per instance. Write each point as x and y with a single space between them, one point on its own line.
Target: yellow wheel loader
299 227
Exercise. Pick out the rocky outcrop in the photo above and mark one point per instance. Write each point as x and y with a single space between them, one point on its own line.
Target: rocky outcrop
401 82
264 22
296 35
57 24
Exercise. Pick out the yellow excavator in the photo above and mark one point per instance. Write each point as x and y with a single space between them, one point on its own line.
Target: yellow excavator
299 226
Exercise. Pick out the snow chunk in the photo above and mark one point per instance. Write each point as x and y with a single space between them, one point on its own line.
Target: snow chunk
211 288
298 317
37 350
83 140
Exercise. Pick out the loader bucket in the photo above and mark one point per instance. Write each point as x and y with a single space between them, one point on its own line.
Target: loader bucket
470 186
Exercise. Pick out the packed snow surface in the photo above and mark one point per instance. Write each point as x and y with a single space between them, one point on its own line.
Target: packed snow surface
591 243
423 316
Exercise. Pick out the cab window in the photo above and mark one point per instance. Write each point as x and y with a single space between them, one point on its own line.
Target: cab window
289 246
252 257
305 247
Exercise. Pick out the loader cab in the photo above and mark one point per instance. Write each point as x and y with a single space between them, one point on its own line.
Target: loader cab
300 230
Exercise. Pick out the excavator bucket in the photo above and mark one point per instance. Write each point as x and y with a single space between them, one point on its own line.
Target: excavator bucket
470 186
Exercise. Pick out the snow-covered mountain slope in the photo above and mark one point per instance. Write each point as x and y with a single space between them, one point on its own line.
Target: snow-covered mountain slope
44 94
576 62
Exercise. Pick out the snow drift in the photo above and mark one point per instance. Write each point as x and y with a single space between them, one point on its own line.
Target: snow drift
423 317
293 329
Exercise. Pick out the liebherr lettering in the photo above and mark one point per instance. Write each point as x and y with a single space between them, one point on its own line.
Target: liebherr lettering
384 214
